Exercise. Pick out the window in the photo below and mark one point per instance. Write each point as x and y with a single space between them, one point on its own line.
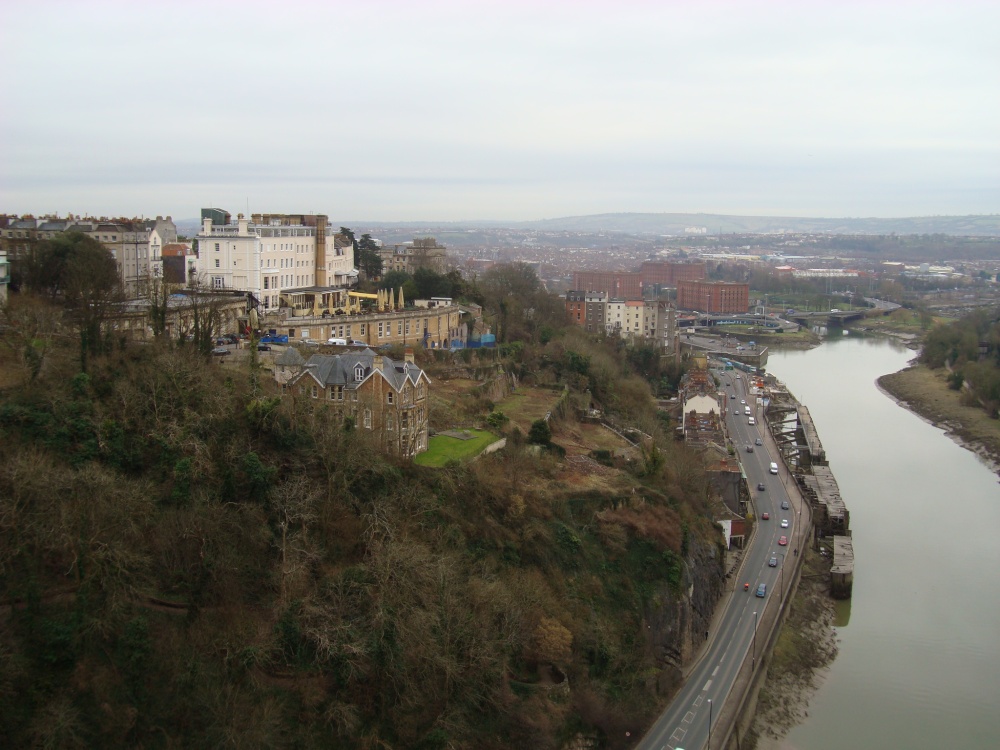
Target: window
388 397
368 419
359 372
362 329
305 333
216 247
217 282
407 327
389 421
380 330
399 328
217 262
315 392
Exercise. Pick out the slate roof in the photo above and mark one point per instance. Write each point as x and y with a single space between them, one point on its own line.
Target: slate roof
290 356
339 369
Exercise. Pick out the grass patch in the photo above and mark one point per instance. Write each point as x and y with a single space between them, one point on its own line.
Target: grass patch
441 448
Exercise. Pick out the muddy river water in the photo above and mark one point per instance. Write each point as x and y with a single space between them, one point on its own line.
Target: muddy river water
919 652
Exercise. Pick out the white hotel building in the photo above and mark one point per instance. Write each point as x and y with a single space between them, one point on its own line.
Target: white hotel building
285 260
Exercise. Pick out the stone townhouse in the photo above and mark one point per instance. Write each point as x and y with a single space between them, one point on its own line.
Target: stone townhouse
384 396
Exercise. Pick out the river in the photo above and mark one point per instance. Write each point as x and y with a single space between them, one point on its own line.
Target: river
919 659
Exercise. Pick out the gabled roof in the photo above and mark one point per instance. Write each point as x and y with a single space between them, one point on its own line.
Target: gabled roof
339 369
290 356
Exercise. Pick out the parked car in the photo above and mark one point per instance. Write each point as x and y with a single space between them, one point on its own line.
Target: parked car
220 351
784 505
263 347
773 562
231 338
310 342
783 541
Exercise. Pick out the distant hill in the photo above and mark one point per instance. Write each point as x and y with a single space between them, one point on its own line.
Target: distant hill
985 225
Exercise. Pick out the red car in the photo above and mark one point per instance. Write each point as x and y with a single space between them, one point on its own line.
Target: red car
783 541
765 516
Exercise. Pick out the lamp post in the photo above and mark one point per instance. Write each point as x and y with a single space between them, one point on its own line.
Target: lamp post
709 724
753 662
781 577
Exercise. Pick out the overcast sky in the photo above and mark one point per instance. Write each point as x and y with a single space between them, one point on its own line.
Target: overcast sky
427 110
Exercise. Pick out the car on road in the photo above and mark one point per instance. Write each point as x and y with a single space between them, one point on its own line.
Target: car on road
784 523
765 516
773 562
737 376
783 541
761 486
751 421
784 505
758 441
762 590
743 401
749 448
220 351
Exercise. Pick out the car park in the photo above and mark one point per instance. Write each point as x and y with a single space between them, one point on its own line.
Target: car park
784 523
765 516
761 486
784 505
783 541
773 562
220 351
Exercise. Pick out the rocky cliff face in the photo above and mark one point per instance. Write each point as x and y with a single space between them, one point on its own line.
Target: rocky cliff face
678 619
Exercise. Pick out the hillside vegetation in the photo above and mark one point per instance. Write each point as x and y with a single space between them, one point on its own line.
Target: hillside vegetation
188 560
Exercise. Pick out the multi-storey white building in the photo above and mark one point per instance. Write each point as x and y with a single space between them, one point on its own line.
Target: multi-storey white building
284 260
652 320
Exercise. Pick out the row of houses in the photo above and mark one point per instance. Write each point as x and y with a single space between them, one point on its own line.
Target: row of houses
649 320
135 244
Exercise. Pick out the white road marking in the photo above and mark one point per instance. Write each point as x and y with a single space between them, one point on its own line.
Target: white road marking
715 671
688 717
707 686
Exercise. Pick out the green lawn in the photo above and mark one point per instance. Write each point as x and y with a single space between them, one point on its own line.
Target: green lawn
441 448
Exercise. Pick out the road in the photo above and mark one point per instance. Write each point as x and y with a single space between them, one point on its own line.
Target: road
685 723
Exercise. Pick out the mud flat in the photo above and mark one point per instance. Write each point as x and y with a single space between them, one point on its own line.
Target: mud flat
926 393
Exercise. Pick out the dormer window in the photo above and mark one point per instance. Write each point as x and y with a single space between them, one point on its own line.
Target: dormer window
359 372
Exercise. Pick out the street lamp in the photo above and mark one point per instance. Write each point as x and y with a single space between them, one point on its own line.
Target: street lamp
709 724
753 662
781 577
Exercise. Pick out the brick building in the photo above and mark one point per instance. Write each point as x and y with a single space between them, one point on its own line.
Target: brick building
587 309
666 274
613 283
713 296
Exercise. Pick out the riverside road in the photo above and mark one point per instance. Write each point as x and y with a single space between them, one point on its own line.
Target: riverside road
695 711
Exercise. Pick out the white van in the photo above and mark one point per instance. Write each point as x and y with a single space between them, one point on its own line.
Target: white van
751 421
774 468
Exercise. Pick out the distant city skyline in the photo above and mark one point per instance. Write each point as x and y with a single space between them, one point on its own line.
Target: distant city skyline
452 111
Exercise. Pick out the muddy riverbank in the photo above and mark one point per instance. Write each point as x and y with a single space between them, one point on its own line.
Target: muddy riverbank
925 392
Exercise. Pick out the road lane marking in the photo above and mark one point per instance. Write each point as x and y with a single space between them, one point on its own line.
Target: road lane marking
715 671
688 717
678 735
707 686
697 701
